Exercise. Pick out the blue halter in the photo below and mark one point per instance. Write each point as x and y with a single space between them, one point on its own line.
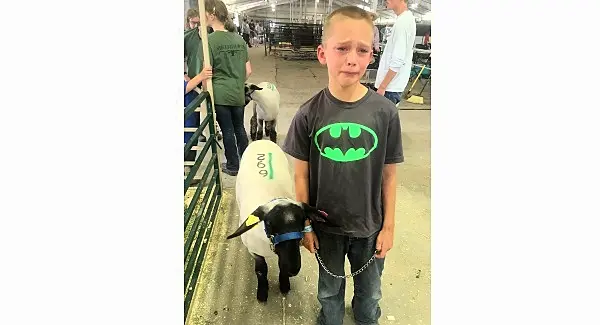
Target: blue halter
283 237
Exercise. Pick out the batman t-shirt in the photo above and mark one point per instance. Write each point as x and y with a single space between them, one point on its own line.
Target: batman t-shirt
346 146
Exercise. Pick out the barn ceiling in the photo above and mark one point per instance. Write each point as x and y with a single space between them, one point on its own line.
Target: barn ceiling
420 8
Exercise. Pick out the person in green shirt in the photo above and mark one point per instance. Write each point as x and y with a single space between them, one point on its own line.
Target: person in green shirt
192 55
231 67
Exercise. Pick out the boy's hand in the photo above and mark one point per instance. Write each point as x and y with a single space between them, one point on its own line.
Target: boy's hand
310 242
206 72
381 91
385 241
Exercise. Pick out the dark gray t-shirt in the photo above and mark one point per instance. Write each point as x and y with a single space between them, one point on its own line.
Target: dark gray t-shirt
346 146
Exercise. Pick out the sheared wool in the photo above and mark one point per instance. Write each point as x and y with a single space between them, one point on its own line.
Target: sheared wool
264 178
267 101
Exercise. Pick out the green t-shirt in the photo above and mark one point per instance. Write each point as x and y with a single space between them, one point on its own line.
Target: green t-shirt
193 52
228 54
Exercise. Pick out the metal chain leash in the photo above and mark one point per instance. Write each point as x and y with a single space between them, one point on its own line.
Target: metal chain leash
351 275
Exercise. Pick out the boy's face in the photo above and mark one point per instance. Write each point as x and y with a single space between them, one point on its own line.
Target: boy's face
347 50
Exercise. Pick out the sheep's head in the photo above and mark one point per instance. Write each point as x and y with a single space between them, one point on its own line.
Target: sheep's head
284 221
248 90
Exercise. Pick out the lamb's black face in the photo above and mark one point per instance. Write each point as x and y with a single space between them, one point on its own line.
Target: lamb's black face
285 218
282 217
247 93
289 257
248 90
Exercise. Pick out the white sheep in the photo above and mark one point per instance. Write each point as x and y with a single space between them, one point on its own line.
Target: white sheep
263 193
266 100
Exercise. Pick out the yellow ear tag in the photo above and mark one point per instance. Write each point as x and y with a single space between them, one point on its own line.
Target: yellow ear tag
252 220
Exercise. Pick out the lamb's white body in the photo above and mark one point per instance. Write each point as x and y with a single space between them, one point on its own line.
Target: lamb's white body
264 175
266 101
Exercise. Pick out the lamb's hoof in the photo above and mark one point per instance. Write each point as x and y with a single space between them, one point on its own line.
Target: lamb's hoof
259 136
253 136
262 294
273 138
284 286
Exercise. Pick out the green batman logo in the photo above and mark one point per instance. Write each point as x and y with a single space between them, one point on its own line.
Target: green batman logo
355 146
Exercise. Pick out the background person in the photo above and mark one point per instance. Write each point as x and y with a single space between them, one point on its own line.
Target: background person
193 63
192 19
395 62
231 67
376 45
190 94
246 32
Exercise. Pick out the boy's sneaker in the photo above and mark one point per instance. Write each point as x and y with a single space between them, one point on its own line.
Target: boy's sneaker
227 170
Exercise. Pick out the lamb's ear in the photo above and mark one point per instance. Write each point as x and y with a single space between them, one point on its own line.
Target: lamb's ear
253 219
255 87
316 215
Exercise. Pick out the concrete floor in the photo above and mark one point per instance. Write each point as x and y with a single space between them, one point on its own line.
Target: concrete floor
226 291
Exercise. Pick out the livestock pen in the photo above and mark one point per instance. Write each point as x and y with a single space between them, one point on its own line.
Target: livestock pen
298 41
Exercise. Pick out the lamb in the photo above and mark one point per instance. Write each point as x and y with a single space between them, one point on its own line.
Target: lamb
266 108
264 186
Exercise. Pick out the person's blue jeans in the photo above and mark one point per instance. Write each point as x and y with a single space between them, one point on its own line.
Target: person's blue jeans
235 139
395 97
367 285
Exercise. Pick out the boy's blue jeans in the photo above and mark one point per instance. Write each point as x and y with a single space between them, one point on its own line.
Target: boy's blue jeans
367 285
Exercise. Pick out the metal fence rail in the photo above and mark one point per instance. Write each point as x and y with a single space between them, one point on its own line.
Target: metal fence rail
204 197
293 40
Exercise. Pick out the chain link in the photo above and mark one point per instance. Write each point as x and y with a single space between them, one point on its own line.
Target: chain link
351 275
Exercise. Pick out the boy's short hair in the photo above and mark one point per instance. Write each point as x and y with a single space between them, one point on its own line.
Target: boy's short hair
352 12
